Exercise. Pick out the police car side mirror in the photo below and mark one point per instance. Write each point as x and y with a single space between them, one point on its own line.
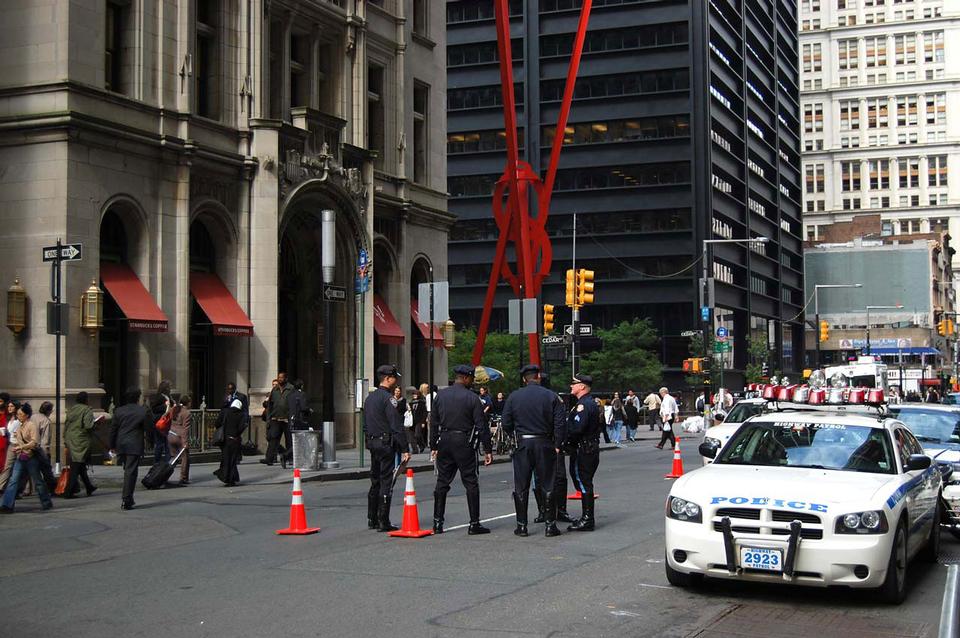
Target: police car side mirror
708 449
918 462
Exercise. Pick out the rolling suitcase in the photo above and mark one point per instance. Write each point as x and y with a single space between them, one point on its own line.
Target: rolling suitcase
161 472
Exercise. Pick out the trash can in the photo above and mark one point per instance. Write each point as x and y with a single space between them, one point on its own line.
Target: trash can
307 450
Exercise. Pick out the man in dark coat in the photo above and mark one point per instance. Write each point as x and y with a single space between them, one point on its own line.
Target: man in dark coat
130 422
278 405
160 404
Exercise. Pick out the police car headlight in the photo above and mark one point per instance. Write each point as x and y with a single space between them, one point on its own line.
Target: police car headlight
869 522
684 510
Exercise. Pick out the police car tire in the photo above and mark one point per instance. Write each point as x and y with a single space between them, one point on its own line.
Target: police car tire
894 589
931 551
680 579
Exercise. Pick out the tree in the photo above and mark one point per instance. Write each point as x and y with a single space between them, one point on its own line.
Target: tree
628 358
758 353
501 351
696 350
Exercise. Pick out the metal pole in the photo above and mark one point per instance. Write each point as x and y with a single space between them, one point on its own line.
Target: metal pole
707 328
949 619
575 311
816 324
868 330
362 375
328 258
57 300
430 342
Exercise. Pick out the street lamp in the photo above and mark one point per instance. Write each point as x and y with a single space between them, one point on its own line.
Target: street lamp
816 310
869 308
707 301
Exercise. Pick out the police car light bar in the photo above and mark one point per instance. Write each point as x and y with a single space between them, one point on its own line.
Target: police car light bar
796 396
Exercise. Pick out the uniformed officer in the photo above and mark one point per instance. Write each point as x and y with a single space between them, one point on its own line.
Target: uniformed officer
585 425
384 438
456 420
537 416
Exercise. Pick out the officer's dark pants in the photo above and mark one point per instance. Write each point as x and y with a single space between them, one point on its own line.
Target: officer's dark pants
131 467
275 430
382 457
583 466
534 456
454 453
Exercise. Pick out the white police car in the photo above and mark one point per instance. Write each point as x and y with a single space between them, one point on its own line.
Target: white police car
808 495
719 434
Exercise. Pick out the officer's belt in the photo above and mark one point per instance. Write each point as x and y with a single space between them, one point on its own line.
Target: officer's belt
453 432
534 436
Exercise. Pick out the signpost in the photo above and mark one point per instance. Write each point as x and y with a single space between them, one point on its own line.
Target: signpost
691 333
586 329
57 312
334 293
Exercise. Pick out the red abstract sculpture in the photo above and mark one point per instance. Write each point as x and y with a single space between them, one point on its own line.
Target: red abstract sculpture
534 253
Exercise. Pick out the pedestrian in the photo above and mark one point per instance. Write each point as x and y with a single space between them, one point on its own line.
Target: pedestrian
932 396
160 404
231 394
498 403
487 404
418 408
384 438
44 427
179 436
4 400
702 403
233 425
652 405
584 425
616 427
78 436
607 418
130 422
456 423
278 406
668 417
631 415
12 425
536 416
406 417
25 442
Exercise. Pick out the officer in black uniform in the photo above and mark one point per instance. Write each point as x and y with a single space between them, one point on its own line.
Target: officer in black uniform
584 424
384 438
559 484
457 419
537 416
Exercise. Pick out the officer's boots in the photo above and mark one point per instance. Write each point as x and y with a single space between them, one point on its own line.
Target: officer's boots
385 525
439 507
537 494
586 522
550 514
473 504
521 504
372 512
562 516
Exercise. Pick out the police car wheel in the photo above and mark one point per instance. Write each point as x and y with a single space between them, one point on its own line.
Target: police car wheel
894 588
931 551
679 579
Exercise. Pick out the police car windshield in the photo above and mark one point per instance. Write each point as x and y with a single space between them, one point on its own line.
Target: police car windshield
827 446
743 411
931 426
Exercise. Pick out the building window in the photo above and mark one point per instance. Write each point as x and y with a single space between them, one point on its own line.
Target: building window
849 115
328 78
480 141
810 6
276 69
909 172
116 45
628 39
813 118
421 17
632 130
472 10
937 170
886 228
421 105
207 59
906 110
620 84
480 97
936 108
876 50
878 111
814 177
851 203
905 46
375 113
846 4
938 224
848 54
300 55
909 226
590 178
812 57
879 174
933 46
850 176
480 53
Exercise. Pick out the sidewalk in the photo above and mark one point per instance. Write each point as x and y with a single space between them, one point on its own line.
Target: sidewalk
252 472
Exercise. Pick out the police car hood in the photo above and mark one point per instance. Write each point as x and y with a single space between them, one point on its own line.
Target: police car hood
942 454
717 484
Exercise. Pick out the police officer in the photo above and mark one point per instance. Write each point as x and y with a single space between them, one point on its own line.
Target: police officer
584 424
536 415
384 438
457 419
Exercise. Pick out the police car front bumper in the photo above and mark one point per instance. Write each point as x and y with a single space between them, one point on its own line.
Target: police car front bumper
835 559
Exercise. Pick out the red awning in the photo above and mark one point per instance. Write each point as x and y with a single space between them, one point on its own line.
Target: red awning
385 324
141 311
424 329
223 311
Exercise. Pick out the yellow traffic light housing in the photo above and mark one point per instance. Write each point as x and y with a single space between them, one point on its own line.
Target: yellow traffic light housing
571 288
942 327
584 286
950 327
547 318
824 331
697 364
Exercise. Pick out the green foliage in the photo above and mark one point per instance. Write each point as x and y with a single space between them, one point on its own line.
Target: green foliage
501 351
628 358
696 350
757 354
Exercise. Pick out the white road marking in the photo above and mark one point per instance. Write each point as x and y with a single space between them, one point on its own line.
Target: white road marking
655 586
485 520
621 612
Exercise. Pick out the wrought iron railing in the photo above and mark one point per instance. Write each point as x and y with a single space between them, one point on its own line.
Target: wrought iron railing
202 425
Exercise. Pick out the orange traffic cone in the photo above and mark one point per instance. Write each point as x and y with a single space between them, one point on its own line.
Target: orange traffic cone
677 470
410 528
298 513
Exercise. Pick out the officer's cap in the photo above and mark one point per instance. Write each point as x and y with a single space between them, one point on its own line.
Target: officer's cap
465 370
529 369
585 379
388 371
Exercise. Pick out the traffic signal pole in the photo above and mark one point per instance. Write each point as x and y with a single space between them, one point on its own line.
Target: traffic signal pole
816 322
575 322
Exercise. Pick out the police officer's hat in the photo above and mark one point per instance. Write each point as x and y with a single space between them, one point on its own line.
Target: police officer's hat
388 371
530 368
585 379
465 370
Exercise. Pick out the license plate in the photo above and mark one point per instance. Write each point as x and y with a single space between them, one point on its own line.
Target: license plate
770 560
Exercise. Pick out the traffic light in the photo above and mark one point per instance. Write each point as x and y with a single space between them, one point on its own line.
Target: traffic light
942 327
697 364
824 331
547 318
571 288
687 365
950 327
584 286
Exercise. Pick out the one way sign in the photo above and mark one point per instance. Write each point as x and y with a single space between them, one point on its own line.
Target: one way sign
334 293
68 252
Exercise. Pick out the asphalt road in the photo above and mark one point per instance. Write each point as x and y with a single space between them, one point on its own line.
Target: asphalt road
204 561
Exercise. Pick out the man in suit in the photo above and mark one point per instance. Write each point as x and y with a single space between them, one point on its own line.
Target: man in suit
130 422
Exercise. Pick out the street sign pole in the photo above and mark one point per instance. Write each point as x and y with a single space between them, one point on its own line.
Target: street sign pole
56 300
328 261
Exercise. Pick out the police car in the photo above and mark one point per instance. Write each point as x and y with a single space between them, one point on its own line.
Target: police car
821 495
718 435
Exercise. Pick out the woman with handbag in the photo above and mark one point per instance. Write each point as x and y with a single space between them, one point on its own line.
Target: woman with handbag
78 437
231 427
25 443
178 438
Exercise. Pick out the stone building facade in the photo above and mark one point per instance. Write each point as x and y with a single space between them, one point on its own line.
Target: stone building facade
190 146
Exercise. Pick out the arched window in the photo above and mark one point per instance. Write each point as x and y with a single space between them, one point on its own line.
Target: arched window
203 257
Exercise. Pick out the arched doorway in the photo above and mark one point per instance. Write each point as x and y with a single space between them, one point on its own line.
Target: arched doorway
203 259
116 373
419 347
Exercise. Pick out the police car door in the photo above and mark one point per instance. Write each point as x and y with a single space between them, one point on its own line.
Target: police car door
914 498
929 488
